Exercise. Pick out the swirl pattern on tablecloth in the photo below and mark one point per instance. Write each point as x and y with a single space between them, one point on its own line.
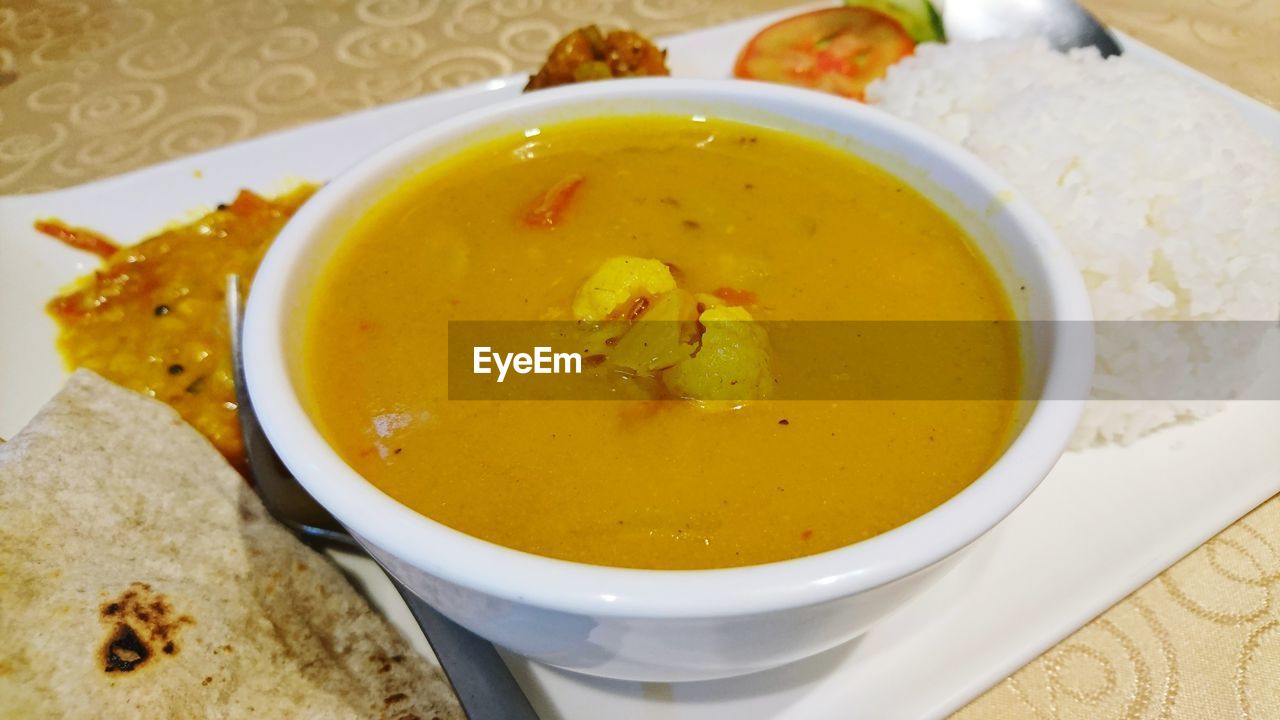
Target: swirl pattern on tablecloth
92 90
1202 641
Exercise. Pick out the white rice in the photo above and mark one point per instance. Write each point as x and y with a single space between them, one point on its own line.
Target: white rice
1168 200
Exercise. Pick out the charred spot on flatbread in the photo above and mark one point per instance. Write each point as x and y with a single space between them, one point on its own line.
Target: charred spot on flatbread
141 624
125 651
106 486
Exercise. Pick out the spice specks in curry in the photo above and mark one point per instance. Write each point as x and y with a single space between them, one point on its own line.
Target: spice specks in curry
152 318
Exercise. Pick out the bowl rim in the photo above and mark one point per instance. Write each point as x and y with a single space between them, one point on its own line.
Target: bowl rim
574 587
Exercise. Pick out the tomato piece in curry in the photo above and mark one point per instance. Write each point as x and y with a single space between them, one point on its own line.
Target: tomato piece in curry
152 318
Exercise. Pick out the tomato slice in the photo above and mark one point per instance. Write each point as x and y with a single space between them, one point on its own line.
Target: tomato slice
838 50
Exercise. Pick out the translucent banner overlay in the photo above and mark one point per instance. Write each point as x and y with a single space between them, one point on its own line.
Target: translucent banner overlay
858 360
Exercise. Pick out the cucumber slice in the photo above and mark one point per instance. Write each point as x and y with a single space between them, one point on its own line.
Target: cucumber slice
917 17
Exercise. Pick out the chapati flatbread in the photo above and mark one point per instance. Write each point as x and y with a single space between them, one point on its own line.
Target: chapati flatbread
141 577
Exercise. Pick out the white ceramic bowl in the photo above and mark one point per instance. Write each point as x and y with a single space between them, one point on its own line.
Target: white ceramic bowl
676 625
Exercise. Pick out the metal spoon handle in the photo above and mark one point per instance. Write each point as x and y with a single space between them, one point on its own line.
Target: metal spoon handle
483 683
285 499
1064 23
481 680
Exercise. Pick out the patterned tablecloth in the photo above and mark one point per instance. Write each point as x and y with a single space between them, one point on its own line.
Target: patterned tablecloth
93 88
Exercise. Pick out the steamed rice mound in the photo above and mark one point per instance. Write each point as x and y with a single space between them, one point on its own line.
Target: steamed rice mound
1168 200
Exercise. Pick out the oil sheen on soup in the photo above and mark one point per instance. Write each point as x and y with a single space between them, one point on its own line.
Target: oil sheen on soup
715 228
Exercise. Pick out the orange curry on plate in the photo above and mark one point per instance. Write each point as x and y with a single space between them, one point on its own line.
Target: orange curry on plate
153 317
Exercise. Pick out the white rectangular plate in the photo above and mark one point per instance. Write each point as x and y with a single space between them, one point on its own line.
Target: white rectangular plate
1101 525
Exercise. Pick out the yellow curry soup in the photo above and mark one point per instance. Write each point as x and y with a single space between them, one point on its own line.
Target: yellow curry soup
750 223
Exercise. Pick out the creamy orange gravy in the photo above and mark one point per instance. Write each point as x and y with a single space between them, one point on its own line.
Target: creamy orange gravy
811 232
